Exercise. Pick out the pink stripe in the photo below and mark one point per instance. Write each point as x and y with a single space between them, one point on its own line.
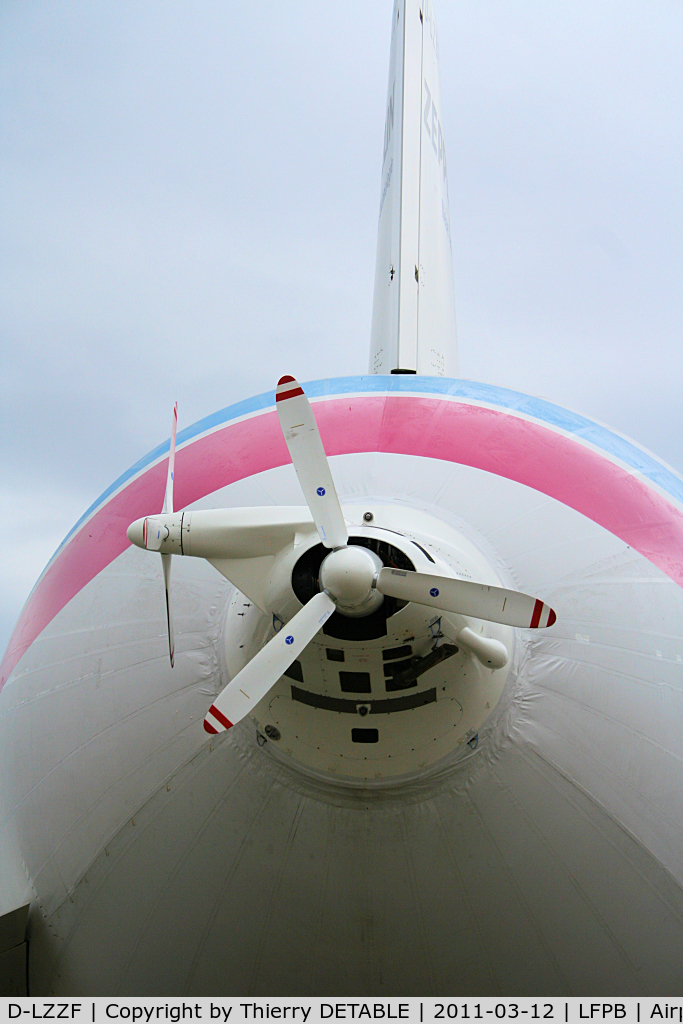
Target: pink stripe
488 439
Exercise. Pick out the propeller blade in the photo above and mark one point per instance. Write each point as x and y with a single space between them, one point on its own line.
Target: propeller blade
166 564
249 686
168 497
156 533
310 461
476 599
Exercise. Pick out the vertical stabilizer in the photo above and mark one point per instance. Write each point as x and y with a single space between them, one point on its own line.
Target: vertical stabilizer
413 317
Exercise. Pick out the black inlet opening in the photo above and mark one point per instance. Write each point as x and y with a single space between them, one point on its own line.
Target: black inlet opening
295 672
365 735
397 652
355 682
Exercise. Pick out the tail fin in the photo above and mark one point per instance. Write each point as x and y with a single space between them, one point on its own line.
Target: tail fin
413 317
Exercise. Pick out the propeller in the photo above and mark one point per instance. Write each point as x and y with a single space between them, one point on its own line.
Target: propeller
354 581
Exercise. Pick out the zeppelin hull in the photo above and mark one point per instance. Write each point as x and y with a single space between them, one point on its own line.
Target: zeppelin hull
542 858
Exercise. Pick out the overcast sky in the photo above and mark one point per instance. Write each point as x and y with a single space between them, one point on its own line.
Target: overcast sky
189 204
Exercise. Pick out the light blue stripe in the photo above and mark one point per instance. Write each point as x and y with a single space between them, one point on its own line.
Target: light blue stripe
516 401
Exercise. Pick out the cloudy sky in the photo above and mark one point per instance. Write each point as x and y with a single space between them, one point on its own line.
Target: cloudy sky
189 203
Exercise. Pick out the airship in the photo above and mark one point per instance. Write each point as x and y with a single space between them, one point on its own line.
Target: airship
368 685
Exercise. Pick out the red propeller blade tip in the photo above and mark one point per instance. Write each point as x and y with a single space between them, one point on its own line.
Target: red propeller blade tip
287 387
220 717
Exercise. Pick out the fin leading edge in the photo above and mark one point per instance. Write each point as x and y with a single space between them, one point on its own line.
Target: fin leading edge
413 317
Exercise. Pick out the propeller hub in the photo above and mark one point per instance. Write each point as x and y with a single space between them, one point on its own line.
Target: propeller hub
348 576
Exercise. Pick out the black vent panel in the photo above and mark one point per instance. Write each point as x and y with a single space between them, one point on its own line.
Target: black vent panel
355 682
365 735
